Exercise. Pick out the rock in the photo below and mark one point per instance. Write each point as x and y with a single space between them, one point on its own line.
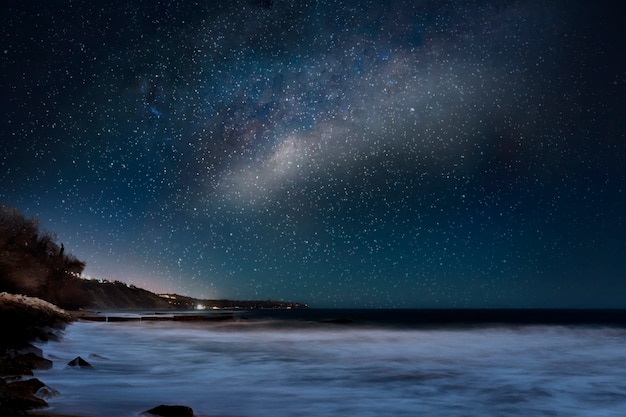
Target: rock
29 386
23 319
97 357
21 394
45 393
341 320
170 411
79 362
16 365
10 369
33 361
27 349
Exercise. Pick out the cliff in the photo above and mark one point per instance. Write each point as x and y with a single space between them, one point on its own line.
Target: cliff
33 263
116 295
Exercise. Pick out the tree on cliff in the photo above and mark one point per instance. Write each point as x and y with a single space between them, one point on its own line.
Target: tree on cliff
34 264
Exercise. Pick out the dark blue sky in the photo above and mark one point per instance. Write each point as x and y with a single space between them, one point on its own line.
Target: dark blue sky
342 154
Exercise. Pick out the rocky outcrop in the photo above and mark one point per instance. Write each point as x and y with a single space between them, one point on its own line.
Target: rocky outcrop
23 319
15 365
16 397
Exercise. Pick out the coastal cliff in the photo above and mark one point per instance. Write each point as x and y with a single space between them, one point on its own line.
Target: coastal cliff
33 263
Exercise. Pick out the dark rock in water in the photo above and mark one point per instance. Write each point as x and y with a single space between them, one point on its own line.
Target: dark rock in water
170 411
20 395
16 365
79 362
97 357
29 386
33 361
28 349
341 320
45 393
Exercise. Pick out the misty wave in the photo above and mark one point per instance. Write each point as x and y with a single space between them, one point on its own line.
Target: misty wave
240 369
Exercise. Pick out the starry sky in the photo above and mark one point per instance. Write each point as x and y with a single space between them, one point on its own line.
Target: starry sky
408 153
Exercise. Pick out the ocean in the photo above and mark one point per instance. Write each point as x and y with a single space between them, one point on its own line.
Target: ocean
346 363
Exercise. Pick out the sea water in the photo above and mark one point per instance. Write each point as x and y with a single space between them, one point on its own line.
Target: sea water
262 368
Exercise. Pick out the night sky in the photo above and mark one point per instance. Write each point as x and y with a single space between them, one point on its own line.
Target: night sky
337 153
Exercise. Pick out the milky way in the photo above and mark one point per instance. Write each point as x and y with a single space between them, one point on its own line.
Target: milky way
405 154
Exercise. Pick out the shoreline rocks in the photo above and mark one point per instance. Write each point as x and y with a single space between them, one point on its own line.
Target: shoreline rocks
22 320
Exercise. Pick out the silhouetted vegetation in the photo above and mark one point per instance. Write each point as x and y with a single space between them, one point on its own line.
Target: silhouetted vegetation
33 263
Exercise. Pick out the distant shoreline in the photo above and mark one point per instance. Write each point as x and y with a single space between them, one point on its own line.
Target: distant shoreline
155 315
401 317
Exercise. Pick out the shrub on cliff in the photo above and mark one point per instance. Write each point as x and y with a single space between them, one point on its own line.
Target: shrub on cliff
33 263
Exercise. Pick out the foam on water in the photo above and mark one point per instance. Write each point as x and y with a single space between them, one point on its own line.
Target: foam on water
251 370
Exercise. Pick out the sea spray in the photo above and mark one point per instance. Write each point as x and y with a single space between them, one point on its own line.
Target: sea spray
269 368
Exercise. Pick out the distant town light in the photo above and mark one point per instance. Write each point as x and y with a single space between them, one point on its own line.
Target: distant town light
167 296
200 307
